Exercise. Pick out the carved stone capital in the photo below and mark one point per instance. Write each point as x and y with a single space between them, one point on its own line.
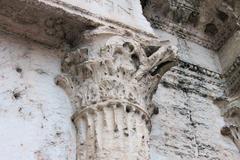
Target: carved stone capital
121 70
112 92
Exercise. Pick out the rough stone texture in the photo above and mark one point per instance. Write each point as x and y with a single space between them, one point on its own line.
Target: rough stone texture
188 127
35 121
192 121
203 22
122 11
46 24
60 23
230 109
230 51
192 53
112 90
231 114
230 60
186 116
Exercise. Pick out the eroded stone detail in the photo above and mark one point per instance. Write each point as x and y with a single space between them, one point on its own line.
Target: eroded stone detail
200 70
232 131
202 22
46 24
231 112
194 79
232 77
112 93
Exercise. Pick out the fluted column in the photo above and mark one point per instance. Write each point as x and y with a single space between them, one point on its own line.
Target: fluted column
112 90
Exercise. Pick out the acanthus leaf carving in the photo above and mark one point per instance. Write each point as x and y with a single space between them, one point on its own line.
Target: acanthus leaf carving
112 93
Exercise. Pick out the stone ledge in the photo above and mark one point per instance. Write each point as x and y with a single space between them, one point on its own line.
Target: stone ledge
51 24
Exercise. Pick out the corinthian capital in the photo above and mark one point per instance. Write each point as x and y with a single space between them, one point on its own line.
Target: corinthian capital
109 85
120 70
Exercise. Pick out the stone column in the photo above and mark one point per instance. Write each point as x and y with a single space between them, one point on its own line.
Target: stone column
112 90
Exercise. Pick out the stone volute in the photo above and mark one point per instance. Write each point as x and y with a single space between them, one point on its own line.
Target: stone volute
111 89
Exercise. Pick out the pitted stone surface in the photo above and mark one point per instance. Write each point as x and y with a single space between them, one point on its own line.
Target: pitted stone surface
110 82
112 94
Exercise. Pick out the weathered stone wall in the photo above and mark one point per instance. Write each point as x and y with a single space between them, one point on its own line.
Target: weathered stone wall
35 121
189 123
192 52
229 57
35 114
230 52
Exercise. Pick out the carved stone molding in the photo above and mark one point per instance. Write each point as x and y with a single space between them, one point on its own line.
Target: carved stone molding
232 77
199 70
57 23
193 79
232 107
112 91
207 23
46 24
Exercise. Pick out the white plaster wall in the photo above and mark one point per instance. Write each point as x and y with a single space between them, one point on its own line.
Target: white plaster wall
36 125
